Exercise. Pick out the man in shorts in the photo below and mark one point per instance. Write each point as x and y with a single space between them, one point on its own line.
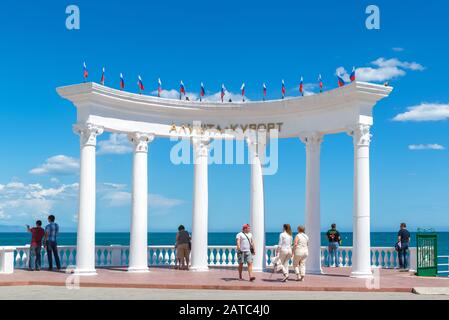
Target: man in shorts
245 251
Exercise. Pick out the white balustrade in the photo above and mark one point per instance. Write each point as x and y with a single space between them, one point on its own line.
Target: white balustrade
218 256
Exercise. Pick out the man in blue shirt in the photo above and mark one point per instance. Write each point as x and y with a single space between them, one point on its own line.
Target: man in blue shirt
51 232
403 244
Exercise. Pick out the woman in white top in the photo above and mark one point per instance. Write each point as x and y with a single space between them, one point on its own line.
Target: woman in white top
300 253
284 251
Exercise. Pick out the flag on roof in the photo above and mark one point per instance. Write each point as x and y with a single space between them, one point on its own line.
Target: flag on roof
159 87
283 89
102 77
320 81
341 82
182 89
223 92
85 72
301 86
140 83
122 82
202 90
352 76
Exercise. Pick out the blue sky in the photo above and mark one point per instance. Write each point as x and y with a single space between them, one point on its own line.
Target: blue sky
225 42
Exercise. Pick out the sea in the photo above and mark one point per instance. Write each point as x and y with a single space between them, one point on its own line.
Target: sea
378 239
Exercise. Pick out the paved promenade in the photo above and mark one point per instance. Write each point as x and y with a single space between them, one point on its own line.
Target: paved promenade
61 293
334 279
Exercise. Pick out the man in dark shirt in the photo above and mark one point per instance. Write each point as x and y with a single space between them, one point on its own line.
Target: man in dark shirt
333 236
403 244
37 233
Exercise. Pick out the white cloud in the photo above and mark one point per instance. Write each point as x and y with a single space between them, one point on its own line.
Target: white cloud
398 49
158 201
117 198
117 143
54 180
59 164
392 63
425 112
120 198
214 97
114 186
426 147
32 200
382 70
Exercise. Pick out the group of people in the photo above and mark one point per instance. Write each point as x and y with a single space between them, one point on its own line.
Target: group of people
288 248
46 237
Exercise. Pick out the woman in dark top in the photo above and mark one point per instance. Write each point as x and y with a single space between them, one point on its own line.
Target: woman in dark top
183 247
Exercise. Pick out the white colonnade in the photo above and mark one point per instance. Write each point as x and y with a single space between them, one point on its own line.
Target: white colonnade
138 248
85 243
312 205
345 109
361 255
199 253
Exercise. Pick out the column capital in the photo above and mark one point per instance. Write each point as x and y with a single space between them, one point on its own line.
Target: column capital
201 145
140 140
312 140
88 133
361 134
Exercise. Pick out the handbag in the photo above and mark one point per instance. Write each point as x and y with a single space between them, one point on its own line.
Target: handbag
251 247
397 246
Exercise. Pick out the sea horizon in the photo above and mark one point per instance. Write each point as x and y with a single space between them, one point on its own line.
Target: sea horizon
378 239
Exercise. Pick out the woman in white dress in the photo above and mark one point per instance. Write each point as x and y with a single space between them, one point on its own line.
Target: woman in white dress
300 253
284 251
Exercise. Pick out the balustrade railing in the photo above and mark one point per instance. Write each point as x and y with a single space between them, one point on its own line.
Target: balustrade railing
443 266
219 256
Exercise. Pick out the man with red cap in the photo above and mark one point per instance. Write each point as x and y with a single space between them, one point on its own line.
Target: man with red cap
245 251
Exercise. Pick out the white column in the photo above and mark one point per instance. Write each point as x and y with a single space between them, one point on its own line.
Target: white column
138 248
256 148
312 210
361 252
85 243
199 252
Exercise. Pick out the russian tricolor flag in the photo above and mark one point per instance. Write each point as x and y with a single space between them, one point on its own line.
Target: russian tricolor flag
102 77
264 86
341 82
202 90
352 76
283 89
122 82
301 86
85 71
182 89
320 81
140 83
223 92
159 87
242 89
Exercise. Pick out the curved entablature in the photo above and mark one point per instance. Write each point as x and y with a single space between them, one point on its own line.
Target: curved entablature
328 112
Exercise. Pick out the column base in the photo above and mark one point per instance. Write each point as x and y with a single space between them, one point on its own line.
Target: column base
199 269
138 269
361 274
85 272
314 271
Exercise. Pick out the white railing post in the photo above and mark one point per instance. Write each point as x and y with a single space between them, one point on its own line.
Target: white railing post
116 255
412 257
7 260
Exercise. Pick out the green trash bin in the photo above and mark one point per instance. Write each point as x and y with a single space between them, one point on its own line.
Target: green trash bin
426 251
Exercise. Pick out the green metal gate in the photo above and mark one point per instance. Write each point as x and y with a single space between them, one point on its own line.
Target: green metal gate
427 256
